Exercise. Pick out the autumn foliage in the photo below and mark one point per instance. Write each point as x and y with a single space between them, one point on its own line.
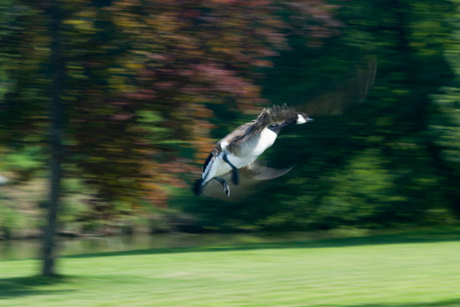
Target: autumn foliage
140 76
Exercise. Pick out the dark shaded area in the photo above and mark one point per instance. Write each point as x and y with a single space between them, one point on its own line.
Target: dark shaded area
29 286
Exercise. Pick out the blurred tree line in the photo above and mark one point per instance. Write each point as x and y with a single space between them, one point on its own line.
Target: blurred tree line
393 160
147 87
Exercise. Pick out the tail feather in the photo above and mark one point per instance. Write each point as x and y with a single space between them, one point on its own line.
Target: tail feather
197 187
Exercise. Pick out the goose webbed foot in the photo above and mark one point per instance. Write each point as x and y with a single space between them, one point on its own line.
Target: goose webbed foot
224 185
235 173
227 190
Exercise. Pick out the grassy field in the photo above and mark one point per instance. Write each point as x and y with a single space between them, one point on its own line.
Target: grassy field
379 271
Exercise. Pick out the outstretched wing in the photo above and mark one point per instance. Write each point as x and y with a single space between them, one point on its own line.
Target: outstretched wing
349 92
239 134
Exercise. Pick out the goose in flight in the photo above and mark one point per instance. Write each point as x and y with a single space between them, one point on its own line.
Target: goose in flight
241 148
245 144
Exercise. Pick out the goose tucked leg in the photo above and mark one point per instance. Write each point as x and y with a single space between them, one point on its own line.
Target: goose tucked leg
235 173
224 185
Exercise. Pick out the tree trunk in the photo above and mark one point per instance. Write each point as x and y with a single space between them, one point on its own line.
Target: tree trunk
57 72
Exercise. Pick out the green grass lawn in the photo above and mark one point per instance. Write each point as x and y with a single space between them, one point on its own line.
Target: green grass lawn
368 272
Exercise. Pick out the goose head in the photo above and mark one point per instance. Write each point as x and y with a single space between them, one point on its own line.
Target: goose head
302 118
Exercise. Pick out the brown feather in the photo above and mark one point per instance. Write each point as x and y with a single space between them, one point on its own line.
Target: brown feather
269 116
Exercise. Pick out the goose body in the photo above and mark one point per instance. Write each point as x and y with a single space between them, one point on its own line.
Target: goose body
241 148
245 144
248 153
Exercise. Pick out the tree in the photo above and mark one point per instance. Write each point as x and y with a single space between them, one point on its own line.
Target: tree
445 122
57 71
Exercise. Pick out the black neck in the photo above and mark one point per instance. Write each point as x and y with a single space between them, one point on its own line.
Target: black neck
288 122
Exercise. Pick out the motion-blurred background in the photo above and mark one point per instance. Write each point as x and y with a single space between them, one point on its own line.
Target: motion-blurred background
125 99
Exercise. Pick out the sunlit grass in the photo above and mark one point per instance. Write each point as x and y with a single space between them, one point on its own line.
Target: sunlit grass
370 271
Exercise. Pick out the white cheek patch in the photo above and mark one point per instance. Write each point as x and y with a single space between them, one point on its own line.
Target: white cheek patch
300 119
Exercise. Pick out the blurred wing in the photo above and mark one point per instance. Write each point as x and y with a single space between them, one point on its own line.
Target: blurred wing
260 172
251 181
350 92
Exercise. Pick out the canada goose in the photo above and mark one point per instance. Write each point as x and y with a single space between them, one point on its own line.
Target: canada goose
239 149
245 144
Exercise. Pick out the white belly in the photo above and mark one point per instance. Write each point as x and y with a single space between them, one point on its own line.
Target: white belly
218 168
253 149
249 154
